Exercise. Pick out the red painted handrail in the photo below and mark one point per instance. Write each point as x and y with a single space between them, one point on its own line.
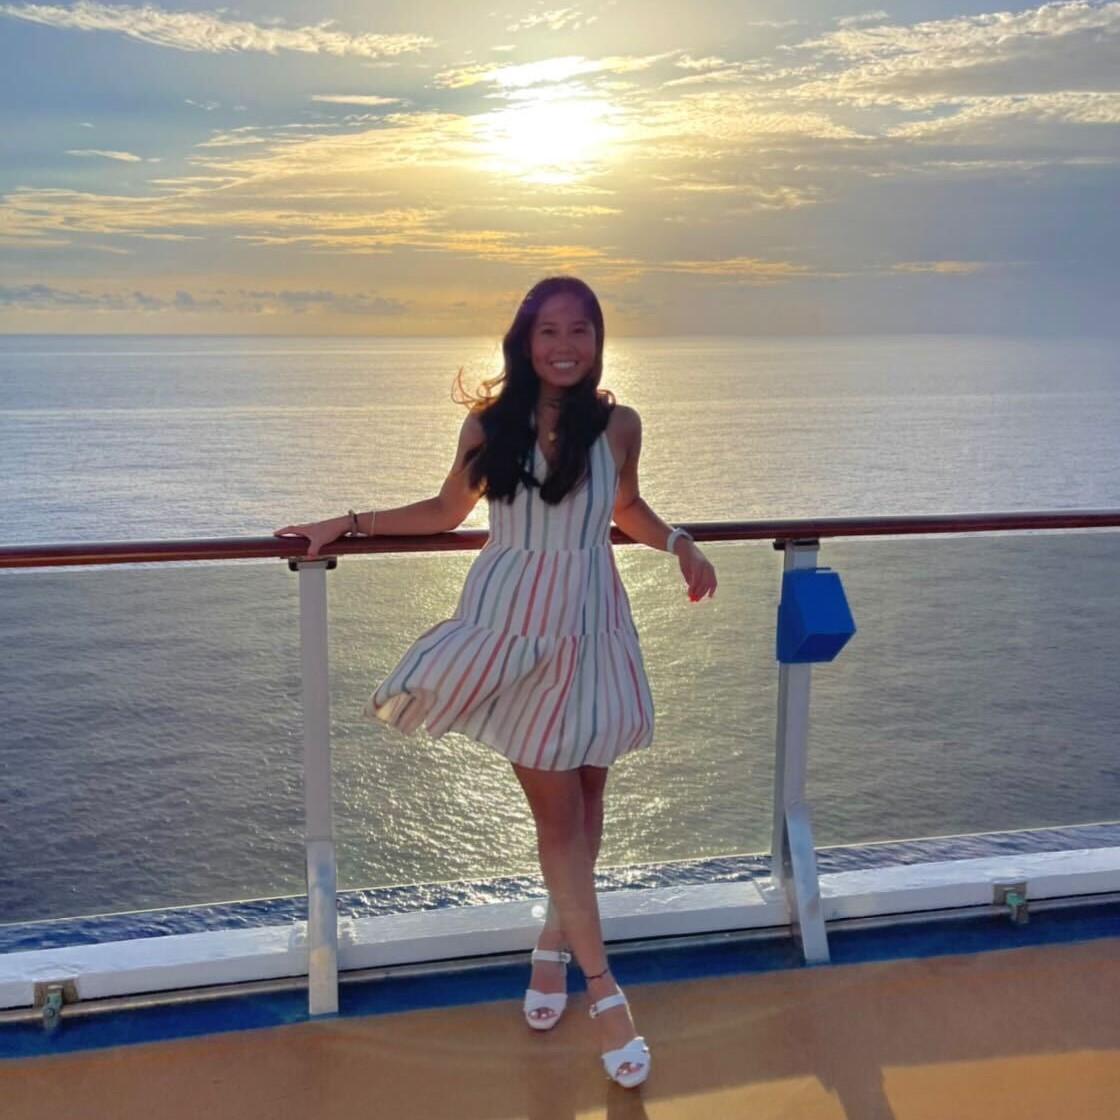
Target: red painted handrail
246 548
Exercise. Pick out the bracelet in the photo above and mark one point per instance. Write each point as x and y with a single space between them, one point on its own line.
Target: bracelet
673 538
354 528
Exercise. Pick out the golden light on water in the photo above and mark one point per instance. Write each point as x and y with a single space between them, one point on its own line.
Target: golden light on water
545 139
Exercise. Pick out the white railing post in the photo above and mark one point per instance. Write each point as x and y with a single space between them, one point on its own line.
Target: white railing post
793 861
322 913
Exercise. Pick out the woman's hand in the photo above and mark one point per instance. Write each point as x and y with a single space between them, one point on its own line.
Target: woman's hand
319 533
697 570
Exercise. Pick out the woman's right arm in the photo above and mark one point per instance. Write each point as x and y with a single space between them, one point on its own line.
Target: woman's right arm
439 514
447 510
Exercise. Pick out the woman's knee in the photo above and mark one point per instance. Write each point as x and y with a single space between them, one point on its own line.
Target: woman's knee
556 800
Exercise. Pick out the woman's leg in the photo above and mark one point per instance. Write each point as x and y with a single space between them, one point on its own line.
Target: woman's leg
548 976
593 782
556 800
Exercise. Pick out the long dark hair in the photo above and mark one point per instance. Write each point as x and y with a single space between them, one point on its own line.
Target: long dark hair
509 401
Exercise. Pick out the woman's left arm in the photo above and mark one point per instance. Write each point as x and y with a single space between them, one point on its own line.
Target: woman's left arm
635 518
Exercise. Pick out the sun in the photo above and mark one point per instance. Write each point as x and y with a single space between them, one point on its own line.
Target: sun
547 138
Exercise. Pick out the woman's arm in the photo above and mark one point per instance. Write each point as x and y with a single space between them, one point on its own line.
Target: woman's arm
447 510
439 514
637 520
631 512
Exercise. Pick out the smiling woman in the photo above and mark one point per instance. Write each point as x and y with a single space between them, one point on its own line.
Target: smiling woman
549 140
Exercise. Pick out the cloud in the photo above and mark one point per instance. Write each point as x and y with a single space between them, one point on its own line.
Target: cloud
721 118
1059 46
989 120
558 19
949 268
234 138
320 300
744 269
866 17
124 157
211 32
547 70
354 99
43 297
687 62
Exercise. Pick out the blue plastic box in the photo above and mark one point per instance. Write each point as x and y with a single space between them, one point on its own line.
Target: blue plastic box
814 621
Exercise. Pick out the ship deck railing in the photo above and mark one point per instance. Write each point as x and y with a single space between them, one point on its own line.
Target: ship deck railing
794 902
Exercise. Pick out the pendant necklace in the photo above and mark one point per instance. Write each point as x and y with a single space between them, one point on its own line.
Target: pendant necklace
551 436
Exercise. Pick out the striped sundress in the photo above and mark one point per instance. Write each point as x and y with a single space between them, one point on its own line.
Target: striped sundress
541 659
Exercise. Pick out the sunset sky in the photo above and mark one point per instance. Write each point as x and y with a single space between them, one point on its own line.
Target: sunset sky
711 167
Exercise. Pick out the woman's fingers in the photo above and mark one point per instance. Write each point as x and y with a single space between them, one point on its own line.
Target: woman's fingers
702 582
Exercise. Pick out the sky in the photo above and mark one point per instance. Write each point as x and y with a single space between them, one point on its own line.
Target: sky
716 167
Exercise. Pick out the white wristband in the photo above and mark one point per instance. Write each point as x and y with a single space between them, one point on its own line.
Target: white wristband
671 542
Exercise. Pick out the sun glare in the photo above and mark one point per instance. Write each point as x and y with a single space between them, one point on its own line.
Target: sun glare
548 140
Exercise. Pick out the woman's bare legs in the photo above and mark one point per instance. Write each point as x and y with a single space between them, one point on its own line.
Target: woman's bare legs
556 798
550 977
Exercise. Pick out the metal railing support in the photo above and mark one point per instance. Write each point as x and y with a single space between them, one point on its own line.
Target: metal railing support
793 861
322 882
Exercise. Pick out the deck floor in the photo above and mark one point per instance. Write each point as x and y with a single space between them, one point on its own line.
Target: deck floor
1020 1033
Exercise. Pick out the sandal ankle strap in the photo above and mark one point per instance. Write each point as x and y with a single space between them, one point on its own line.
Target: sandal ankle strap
558 956
605 1004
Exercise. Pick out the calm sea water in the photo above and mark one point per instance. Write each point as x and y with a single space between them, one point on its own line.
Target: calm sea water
151 738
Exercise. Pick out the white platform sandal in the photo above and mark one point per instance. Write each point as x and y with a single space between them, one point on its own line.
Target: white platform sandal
543 1011
636 1052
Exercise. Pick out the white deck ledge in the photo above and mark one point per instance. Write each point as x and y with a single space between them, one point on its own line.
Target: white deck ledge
196 960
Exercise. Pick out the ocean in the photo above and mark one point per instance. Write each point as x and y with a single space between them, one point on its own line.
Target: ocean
151 739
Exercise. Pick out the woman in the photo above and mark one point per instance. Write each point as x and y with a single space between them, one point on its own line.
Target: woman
541 659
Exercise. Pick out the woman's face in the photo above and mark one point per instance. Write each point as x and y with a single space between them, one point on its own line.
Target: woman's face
562 342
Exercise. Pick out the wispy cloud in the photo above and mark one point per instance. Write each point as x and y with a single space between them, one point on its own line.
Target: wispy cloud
354 99
865 17
1059 46
211 31
124 157
242 301
743 269
989 120
712 62
557 19
549 70
43 297
948 268
265 301
772 24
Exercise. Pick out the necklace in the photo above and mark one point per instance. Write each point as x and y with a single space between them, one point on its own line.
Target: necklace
551 435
